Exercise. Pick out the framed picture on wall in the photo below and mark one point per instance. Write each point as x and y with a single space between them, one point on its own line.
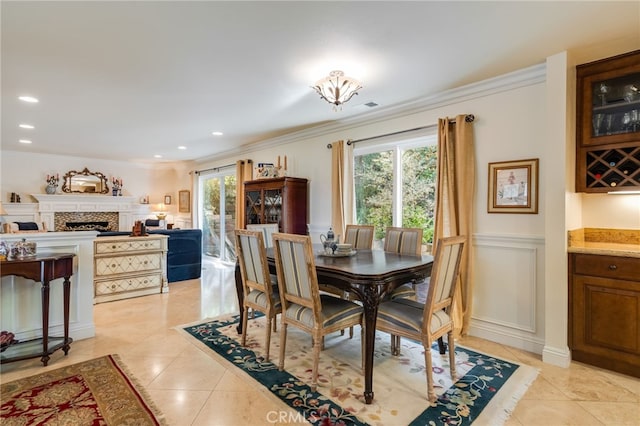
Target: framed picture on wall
513 187
167 199
184 201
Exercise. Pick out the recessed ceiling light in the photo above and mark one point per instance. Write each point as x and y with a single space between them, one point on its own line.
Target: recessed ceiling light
26 126
157 156
29 99
182 147
27 141
217 133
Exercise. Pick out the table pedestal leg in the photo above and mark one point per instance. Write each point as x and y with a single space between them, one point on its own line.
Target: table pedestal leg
370 305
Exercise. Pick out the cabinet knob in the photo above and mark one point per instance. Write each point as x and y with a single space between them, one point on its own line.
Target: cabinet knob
613 267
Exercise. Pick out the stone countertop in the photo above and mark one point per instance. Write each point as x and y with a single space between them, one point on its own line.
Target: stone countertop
610 242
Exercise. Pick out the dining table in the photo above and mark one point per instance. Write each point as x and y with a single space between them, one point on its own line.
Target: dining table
369 275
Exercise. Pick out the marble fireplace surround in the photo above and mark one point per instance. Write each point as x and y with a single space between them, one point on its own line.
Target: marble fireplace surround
85 208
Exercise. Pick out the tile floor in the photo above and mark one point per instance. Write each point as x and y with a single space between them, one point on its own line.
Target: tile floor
193 389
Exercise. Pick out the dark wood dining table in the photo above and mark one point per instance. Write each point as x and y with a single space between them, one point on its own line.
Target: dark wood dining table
369 275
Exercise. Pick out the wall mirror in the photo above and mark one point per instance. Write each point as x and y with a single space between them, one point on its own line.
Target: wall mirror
85 182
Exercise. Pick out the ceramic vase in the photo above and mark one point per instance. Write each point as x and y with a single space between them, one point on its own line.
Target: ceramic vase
51 189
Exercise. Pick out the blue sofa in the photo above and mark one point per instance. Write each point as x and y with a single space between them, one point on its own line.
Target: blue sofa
184 256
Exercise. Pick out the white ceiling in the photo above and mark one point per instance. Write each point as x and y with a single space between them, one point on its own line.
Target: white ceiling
127 80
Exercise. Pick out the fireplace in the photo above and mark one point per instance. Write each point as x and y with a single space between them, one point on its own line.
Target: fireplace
86 221
87 226
55 210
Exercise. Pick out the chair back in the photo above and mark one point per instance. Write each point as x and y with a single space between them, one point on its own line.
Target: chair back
297 279
253 262
444 282
359 236
403 240
268 229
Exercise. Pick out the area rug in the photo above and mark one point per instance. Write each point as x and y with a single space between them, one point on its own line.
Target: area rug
486 391
94 392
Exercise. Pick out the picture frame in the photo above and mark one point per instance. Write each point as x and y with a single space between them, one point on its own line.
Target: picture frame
513 187
184 201
167 199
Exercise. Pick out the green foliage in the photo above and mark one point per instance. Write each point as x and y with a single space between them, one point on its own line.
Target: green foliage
373 175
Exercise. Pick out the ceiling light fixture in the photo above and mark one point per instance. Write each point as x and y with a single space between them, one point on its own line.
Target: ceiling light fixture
29 99
182 147
216 133
26 141
26 126
337 89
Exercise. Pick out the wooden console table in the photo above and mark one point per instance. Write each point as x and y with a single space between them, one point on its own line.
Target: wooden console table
43 269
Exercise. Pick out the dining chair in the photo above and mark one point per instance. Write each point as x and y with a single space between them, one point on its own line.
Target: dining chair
302 304
433 319
359 236
259 292
268 229
404 241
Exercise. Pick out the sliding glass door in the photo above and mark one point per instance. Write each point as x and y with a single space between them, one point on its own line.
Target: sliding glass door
217 205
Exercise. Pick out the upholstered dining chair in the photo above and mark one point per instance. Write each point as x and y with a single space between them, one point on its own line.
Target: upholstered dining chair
268 229
404 241
359 236
259 293
433 319
302 304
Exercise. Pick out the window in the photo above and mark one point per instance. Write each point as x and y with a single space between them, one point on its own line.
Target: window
217 206
395 183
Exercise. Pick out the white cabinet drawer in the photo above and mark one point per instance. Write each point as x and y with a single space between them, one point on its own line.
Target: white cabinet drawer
105 266
128 284
133 244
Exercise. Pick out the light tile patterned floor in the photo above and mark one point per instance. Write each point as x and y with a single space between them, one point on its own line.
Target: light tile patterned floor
191 388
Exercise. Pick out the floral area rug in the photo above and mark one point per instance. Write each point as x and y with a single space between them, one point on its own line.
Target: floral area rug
486 391
94 392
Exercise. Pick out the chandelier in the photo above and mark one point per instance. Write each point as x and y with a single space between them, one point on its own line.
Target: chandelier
337 89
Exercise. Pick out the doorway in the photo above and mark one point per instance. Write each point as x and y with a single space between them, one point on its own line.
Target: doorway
217 208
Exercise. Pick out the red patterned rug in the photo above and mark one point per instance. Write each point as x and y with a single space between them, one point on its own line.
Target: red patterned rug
94 392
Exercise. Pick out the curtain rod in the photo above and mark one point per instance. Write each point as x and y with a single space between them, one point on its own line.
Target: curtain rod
215 169
469 118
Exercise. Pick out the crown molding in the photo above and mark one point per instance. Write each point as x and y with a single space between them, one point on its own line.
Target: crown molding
521 78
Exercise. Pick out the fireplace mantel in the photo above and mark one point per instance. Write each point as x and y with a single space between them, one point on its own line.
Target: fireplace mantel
48 205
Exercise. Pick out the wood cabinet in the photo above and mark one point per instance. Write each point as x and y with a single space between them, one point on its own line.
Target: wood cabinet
279 200
608 124
127 267
604 311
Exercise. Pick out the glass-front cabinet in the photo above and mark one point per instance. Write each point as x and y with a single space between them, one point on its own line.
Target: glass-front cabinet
278 200
608 124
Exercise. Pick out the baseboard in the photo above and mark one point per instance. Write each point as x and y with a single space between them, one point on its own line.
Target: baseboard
506 336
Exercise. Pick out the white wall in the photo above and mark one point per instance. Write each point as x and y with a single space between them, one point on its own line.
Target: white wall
24 173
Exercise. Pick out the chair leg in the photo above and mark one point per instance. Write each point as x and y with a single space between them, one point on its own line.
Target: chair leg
452 356
431 395
243 342
351 332
267 340
283 344
317 347
395 345
441 347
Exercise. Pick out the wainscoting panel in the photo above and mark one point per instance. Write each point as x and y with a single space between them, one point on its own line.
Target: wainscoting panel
509 292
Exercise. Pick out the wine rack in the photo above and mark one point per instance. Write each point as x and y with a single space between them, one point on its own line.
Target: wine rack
611 169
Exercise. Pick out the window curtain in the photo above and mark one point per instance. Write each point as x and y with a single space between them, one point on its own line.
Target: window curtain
341 194
244 172
455 203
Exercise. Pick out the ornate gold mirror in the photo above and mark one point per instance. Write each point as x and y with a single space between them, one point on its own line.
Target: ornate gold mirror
85 182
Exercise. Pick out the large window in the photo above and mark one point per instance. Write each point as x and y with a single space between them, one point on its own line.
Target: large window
395 185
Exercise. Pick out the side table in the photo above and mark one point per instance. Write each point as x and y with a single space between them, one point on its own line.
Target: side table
43 269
